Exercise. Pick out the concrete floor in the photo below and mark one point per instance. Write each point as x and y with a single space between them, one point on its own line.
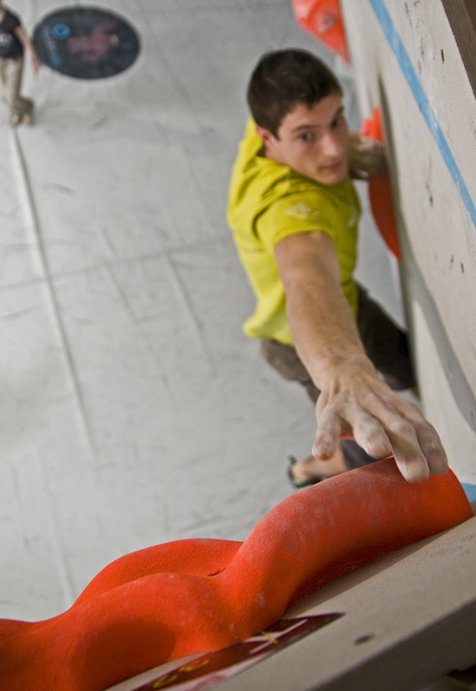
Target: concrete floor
134 411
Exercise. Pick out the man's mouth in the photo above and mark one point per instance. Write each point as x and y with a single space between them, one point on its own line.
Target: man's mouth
332 167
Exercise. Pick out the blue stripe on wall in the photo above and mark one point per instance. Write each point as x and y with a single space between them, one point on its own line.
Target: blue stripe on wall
403 59
470 491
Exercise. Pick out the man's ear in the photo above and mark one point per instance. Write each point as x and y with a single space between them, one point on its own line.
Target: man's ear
265 135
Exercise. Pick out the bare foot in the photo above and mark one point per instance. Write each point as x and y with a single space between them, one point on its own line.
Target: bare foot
310 468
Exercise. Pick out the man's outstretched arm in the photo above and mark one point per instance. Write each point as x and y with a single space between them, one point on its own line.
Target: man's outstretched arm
354 400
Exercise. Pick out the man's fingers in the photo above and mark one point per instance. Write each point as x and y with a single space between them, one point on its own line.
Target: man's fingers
360 175
416 442
428 438
329 428
432 448
366 155
384 426
410 461
416 446
370 435
404 440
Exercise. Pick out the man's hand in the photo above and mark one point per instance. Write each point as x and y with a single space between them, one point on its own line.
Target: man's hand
366 156
356 403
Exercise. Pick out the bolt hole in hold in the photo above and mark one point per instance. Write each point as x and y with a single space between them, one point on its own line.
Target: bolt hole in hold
442 53
364 639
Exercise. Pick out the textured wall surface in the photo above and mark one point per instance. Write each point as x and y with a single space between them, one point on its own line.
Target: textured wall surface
407 60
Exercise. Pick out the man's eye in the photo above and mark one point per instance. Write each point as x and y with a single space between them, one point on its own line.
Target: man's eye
306 137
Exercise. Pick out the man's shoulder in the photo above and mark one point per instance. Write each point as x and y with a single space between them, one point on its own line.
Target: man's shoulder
251 143
262 185
305 205
292 188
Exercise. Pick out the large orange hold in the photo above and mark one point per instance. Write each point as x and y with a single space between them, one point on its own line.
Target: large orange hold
323 19
190 596
380 191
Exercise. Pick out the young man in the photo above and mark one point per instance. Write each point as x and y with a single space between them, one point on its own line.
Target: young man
13 41
294 214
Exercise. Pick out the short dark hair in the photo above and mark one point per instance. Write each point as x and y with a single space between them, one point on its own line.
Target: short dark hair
282 79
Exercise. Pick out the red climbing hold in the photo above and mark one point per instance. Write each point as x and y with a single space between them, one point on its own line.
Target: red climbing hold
380 191
191 596
323 19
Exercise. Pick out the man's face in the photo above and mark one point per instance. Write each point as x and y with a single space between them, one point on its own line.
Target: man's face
313 141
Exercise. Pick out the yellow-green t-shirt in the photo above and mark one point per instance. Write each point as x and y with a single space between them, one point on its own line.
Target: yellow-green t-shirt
268 202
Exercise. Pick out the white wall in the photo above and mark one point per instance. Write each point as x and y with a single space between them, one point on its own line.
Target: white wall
407 61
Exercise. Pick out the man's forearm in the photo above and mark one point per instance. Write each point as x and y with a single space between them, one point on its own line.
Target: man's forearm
323 325
324 329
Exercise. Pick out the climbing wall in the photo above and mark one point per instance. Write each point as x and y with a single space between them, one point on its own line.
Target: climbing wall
417 64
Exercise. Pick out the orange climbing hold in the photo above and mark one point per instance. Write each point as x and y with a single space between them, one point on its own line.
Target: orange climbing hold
380 191
323 19
192 596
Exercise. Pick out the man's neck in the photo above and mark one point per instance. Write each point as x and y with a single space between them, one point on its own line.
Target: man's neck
265 153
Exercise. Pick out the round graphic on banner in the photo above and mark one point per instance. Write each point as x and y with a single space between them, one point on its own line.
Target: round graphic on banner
86 42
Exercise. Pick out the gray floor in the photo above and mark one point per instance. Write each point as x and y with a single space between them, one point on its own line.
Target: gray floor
134 411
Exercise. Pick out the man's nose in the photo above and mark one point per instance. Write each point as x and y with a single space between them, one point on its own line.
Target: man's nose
332 145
